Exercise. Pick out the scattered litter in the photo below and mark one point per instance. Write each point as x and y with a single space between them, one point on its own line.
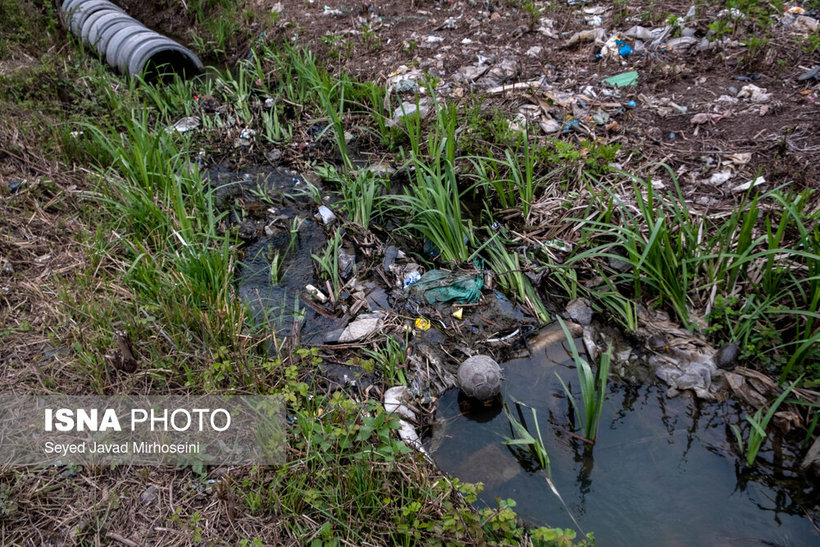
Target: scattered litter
549 126
755 94
546 27
751 184
597 35
726 99
411 278
422 323
719 178
624 49
594 20
569 125
624 79
480 377
396 400
705 117
184 125
534 51
806 24
814 73
459 313
510 336
610 49
500 73
441 286
681 44
326 215
643 33
558 245
316 294
680 109
244 138
748 78
600 117
731 13
741 158
359 329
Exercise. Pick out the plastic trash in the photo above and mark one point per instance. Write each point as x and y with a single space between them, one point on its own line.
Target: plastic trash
623 79
719 178
422 324
316 293
751 184
396 400
184 125
549 126
441 286
411 278
569 125
754 93
326 215
624 49
359 329
814 73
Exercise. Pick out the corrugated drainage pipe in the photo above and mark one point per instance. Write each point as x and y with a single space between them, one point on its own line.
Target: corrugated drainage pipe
127 45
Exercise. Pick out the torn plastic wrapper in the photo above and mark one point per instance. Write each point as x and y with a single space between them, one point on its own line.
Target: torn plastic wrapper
441 286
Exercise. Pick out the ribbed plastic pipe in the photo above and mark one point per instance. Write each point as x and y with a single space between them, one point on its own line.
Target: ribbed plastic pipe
126 44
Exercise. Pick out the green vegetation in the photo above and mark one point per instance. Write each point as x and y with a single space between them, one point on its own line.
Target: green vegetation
593 388
690 264
159 257
757 432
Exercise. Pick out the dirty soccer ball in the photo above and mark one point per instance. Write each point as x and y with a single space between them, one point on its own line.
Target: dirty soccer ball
480 377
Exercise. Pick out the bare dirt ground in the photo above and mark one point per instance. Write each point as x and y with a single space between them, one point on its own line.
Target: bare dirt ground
371 40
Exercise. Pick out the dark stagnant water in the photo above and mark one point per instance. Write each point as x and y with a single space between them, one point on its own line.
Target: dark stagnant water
663 471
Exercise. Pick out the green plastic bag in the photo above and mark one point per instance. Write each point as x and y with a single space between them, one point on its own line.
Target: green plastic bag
440 286
623 79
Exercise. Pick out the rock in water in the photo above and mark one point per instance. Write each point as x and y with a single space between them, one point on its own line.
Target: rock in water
480 377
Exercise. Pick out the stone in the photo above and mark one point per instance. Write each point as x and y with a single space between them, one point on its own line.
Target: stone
580 311
726 357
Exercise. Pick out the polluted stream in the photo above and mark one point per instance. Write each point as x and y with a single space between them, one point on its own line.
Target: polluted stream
662 472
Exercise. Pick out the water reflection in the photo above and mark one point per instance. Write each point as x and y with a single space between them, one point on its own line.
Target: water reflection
663 471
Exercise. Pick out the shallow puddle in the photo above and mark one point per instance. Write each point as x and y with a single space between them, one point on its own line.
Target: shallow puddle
662 472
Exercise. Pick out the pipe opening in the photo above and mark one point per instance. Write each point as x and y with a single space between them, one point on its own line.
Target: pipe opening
165 64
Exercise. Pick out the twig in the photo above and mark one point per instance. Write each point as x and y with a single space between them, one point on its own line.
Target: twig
118 538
